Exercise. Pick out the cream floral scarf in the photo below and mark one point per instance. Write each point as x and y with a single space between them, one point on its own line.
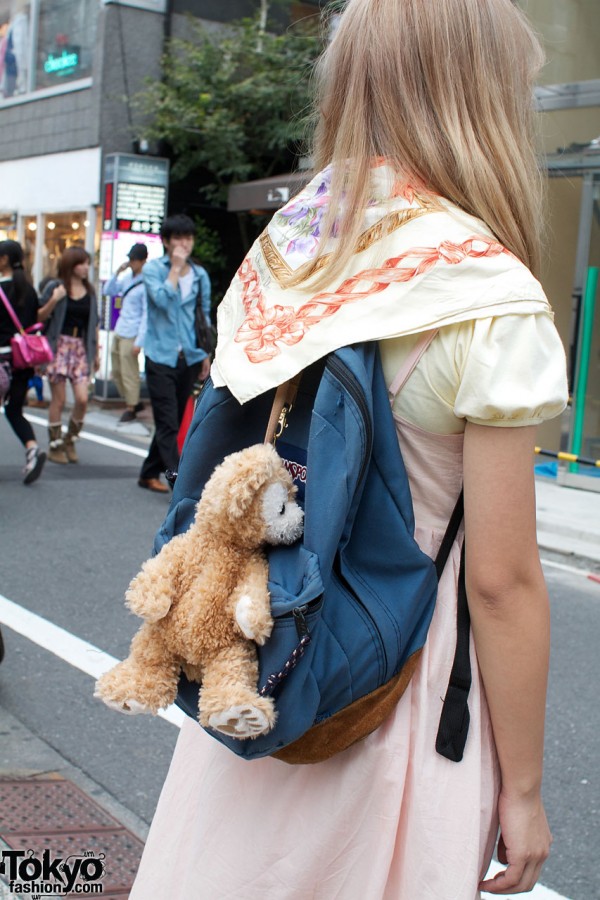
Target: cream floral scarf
420 263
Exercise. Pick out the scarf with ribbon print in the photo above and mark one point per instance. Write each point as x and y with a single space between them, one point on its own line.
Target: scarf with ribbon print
420 263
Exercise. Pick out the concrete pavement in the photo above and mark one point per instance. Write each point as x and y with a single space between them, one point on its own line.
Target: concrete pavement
568 523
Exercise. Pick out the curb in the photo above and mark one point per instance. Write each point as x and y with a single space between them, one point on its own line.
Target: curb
571 562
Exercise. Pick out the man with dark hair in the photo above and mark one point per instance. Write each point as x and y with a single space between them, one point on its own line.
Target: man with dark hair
174 287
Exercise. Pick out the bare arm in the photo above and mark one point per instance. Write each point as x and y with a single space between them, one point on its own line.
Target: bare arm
510 620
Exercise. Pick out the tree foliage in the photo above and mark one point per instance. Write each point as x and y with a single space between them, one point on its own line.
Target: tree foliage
233 103
208 249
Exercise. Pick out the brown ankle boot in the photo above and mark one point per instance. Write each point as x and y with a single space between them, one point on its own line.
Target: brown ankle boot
56 447
70 438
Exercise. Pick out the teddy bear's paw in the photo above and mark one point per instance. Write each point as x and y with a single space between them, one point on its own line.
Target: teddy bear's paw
242 721
248 621
134 708
129 707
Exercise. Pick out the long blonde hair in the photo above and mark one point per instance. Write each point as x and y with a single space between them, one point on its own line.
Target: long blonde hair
443 89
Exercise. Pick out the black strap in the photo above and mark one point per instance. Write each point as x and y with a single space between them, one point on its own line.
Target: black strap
455 717
131 287
450 536
454 720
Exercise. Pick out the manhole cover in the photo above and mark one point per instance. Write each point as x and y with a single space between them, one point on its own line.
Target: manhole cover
52 819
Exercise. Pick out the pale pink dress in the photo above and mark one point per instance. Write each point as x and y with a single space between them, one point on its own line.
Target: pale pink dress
389 819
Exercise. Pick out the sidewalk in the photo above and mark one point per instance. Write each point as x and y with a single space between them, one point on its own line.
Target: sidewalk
53 812
568 523
106 417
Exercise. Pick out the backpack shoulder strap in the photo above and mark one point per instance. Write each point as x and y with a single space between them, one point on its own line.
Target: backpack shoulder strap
454 719
285 397
411 362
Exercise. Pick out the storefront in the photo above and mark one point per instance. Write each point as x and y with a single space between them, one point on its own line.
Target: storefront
45 45
47 210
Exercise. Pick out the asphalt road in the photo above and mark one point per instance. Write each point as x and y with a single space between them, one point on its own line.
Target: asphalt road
69 546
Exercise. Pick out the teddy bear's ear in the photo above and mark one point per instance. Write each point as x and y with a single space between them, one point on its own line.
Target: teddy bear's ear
250 469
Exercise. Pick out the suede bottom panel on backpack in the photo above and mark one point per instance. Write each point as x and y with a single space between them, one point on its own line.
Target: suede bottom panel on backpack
351 724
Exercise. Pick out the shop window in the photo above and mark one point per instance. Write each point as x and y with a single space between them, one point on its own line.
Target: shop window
8 226
65 42
62 230
15 47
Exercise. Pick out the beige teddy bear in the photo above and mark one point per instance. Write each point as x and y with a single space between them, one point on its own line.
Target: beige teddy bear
205 601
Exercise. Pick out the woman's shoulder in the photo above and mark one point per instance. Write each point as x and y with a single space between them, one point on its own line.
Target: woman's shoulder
497 370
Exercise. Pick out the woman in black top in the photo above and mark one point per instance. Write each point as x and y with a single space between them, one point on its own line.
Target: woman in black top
24 301
73 334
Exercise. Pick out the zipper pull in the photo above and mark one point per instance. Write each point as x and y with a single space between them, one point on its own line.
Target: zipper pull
300 621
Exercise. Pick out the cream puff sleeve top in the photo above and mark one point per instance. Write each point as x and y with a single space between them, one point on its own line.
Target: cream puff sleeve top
503 371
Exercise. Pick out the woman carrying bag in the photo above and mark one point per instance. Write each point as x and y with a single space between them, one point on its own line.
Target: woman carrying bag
72 330
424 216
23 301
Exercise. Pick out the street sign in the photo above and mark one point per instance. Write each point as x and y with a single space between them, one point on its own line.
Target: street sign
135 193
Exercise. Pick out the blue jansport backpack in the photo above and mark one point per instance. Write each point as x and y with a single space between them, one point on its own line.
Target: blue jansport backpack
353 599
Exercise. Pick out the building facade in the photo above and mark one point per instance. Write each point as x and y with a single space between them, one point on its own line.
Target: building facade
64 105
68 72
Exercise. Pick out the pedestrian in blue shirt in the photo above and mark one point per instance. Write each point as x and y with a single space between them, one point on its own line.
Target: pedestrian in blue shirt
175 286
128 336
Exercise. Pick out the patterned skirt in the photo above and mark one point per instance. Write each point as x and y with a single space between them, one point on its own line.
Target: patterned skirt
70 361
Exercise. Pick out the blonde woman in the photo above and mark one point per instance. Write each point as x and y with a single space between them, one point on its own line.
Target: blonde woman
73 334
424 217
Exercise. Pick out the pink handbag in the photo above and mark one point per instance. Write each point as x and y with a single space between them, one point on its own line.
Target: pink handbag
29 347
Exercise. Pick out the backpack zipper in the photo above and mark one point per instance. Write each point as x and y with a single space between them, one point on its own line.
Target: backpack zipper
347 379
339 371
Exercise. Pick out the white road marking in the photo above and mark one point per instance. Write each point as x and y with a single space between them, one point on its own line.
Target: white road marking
97 439
71 649
564 567
538 893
